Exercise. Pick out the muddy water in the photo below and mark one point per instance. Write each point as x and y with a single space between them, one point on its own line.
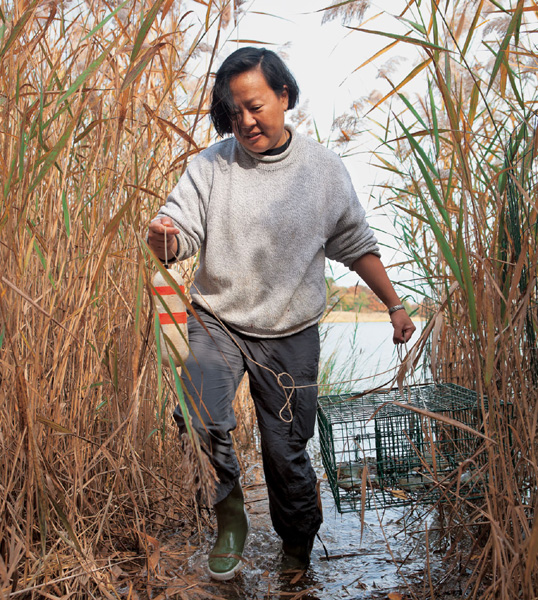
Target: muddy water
388 556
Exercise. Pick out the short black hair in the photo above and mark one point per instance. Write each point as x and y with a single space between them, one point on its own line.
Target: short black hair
274 70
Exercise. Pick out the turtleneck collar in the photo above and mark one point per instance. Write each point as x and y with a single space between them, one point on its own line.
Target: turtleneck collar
275 157
280 149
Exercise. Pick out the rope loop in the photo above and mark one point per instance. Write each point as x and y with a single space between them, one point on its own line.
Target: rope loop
288 392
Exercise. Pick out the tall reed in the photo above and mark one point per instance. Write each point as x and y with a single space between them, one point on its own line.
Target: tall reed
462 153
100 106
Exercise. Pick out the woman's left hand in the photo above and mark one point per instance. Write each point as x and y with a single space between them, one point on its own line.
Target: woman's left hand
403 327
370 268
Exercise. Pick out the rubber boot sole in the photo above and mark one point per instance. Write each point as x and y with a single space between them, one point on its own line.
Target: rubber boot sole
228 574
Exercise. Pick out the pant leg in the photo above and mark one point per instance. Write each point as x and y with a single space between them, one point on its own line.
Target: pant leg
210 379
290 478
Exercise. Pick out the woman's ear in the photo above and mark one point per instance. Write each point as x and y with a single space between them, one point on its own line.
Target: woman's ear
285 97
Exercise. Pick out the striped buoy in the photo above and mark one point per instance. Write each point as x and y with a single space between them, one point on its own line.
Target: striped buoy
172 322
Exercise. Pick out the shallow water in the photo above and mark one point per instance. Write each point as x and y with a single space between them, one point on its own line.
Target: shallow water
388 557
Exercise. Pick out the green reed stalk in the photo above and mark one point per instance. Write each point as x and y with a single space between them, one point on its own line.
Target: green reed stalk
464 159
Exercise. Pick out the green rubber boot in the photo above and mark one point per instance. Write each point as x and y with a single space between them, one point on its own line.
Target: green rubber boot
226 558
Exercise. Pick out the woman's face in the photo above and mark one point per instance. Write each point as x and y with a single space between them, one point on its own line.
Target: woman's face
258 123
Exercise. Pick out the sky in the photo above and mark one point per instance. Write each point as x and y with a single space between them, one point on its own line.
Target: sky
324 59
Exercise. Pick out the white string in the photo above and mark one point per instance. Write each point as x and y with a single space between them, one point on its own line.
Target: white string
410 380
287 390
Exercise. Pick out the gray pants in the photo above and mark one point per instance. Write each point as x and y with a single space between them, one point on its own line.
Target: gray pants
214 370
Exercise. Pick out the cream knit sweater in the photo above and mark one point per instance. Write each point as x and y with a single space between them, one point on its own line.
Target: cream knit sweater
264 225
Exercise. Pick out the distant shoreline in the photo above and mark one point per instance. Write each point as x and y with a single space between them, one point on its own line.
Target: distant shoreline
349 316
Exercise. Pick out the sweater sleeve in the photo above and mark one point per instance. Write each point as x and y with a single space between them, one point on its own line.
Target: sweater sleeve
351 237
187 205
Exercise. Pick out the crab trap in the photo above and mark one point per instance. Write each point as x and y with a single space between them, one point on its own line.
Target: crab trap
384 449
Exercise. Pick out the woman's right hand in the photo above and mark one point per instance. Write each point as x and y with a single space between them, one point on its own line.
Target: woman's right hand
162 237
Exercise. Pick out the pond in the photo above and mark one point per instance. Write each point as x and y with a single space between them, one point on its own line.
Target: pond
360 356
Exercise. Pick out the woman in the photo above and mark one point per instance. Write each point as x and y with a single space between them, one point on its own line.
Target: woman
265 208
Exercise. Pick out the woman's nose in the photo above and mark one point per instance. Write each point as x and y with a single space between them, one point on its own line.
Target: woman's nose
247 119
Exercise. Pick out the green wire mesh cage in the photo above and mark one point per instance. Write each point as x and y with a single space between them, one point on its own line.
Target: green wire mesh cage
378 452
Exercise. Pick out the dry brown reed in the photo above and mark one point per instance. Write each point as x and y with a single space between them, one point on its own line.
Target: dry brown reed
463 153
100 105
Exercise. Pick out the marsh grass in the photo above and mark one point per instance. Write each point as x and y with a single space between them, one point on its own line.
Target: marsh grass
462 156
99 109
